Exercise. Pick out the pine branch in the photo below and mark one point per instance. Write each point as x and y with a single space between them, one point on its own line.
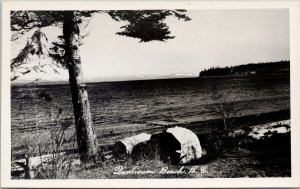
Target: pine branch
33 47
146 25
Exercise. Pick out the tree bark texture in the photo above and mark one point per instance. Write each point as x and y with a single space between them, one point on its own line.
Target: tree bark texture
86 137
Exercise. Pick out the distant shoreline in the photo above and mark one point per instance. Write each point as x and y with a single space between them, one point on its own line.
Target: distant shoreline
154 79
93 82
279 67
237 76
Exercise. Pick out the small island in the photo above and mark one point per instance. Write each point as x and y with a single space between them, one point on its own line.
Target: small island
263 68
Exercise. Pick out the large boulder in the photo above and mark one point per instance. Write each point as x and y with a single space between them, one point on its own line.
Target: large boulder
190 148
177 145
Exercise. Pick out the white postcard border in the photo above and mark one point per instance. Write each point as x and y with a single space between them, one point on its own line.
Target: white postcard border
294 9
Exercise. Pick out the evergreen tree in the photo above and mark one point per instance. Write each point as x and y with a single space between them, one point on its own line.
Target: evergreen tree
146 25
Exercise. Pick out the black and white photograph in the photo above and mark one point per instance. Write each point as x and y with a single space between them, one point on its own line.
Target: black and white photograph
149 93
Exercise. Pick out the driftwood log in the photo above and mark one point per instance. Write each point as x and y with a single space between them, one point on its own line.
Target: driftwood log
126 145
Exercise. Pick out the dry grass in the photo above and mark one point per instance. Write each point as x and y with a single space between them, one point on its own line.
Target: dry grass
238 164
108 170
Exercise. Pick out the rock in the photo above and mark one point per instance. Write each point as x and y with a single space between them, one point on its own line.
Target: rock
190 148
177 145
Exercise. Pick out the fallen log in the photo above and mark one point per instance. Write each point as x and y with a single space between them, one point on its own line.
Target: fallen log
126 145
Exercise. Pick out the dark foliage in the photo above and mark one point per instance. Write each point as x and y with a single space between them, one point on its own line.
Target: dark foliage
252 68
147 25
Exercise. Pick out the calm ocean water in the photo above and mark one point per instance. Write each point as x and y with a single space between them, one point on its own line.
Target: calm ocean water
114 104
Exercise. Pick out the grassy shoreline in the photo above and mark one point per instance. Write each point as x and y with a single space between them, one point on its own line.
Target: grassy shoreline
199 127
202 127
266 159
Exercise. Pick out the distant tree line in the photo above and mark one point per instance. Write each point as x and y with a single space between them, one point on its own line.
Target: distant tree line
279 67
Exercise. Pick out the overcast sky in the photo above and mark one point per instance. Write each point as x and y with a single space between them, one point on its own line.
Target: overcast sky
211 38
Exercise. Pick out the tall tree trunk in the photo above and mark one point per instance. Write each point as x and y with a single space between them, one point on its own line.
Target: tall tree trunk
86 137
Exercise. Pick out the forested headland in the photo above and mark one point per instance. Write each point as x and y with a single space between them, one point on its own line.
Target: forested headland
280 67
